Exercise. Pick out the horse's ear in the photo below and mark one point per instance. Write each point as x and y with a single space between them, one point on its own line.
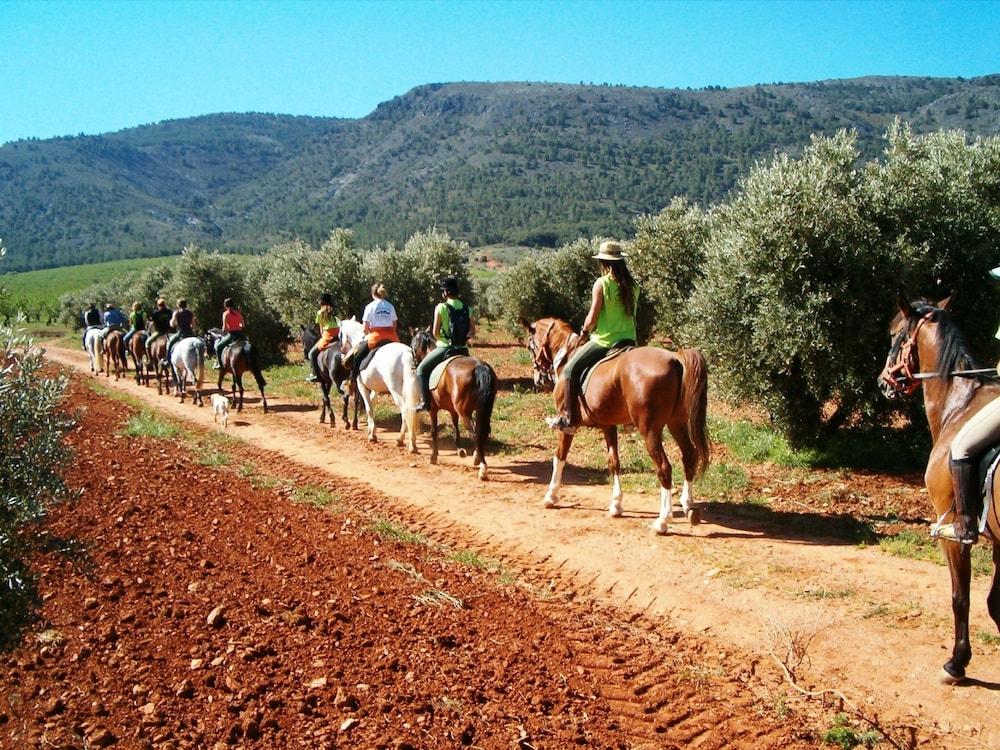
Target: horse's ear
903 305
412 330
525 323
943 304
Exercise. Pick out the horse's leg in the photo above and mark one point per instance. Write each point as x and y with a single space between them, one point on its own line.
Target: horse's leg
434 433
259 377
993 599
689 459
238 383
324 392
458 438
367 397
653 437
960 567
615 470
558 464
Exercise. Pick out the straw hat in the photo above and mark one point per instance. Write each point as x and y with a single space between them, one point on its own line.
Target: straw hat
610 250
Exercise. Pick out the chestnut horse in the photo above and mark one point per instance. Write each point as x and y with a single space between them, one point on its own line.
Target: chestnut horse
137 346
925 337
646 387
467 390
114 353
238 358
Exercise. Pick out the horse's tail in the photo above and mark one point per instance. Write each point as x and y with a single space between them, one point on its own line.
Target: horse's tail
199 356
695 393
486 390
411 386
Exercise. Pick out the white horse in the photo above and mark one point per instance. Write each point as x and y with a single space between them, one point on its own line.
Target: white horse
93 342
392 370
188 359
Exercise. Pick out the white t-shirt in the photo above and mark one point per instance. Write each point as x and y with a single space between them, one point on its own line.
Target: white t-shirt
379 314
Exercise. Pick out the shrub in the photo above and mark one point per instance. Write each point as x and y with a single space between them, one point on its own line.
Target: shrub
31 448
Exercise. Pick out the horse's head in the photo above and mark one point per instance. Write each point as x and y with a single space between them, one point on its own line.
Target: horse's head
915 322
548 341
421 343
351 332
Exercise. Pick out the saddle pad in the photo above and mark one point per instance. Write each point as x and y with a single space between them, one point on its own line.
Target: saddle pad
371 355
987 476
438 371
616 352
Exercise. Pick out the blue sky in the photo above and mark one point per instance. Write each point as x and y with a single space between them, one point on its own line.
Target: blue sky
92 67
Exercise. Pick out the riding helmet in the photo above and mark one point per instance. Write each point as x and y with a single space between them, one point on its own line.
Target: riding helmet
449 284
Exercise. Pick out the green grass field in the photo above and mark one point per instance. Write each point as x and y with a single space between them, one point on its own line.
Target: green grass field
32 288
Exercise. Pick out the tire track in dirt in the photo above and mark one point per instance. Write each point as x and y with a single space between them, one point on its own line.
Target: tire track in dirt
670 582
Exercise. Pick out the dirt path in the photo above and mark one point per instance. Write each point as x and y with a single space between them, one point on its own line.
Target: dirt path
877 626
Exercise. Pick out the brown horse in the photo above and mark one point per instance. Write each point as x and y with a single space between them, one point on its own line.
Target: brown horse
467 390
646 387
925 337
157 353
114 352
137 346
238 358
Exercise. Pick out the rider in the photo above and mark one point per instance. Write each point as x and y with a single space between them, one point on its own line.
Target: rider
977 436
114 320
91 319
160 319
137 323
380 323
183 322
609 323
453 327
329 330
232 325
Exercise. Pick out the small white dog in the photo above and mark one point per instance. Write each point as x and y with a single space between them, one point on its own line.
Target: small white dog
220 407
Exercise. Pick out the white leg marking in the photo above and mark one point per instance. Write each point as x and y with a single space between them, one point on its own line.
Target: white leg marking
552 496
615 509
666 511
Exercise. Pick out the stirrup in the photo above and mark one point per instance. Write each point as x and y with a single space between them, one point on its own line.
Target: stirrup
948 531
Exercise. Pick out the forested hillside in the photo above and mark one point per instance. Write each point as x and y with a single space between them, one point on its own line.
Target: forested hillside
527 163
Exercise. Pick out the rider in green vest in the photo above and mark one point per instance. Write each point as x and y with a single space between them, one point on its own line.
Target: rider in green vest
609 323
450 342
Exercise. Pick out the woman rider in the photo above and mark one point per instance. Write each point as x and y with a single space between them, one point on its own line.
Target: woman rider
450 318
329 329
610 323
977 436
136 323
380 322
183 322
232 326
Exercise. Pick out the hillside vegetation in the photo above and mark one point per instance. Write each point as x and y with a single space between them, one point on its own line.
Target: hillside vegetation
524 163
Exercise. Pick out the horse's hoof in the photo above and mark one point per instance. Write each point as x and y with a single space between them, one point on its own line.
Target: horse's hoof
615 510
550 501
462 453
946 678
482 473
694 516
660 526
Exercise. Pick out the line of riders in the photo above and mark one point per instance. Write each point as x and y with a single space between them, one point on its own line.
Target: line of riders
609 325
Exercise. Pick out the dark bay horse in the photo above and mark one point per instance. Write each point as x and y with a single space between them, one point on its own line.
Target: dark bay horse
137 347
646 387
157 353
114 353
467 390
924 337
237 358
332 373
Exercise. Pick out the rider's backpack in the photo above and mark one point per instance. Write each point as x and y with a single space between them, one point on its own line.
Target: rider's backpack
459 324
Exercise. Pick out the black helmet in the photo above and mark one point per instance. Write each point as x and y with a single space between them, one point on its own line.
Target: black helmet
449 284
326 299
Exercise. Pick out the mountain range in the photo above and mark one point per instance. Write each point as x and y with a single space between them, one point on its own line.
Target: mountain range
536 164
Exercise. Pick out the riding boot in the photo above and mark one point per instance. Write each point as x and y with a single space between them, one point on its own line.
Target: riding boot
569 415
964 527
425 395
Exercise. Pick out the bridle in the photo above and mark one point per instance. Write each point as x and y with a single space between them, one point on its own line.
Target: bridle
902 374
541 361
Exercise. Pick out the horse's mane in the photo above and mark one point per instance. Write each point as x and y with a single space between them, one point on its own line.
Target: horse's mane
953 350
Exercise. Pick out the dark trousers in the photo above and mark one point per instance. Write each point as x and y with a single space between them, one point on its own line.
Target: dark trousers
432 360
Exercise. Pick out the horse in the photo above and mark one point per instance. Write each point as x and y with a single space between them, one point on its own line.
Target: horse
331 373
157 353
114 352
467 390
238 358
646 387
188 359
137 347
393 370
924 336
93 342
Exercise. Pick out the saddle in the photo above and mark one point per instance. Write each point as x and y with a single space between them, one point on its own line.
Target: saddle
438 371
236 347
612 354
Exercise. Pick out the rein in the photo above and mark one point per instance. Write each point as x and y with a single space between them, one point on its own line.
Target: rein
905 362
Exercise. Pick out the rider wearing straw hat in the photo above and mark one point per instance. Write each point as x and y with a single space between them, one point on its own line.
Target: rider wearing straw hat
609 323
977 436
